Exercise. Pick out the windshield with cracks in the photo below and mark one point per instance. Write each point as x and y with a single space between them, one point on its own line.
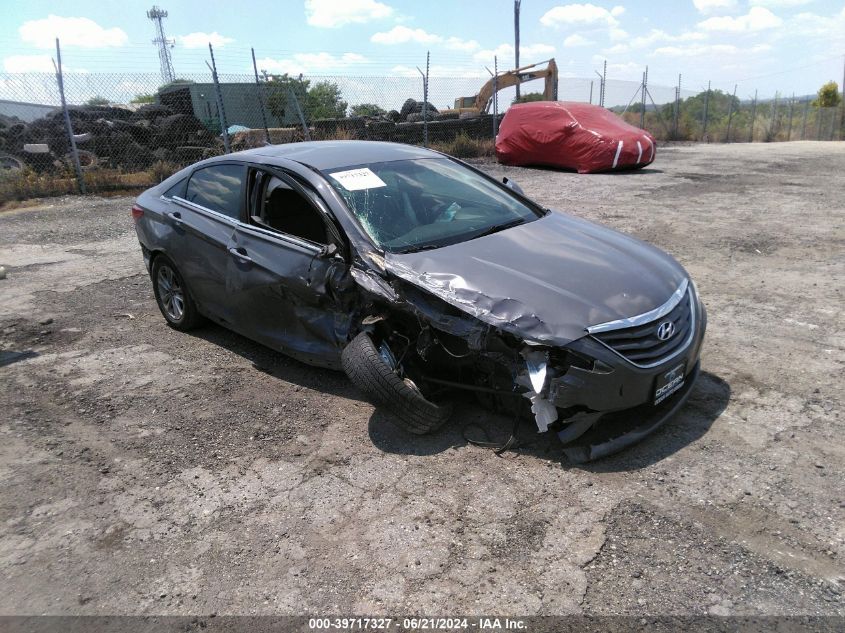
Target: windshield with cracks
412 205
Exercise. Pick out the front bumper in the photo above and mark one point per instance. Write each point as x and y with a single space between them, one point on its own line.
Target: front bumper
614 399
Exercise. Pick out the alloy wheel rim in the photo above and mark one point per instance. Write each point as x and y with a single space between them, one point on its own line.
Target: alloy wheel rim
171 294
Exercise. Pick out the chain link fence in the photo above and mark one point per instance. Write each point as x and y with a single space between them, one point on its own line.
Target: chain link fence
131 132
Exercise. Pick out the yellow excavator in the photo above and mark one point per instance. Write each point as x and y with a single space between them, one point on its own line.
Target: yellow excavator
480 103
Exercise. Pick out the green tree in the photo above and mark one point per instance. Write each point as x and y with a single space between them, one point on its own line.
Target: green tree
279 90
528 97
324 101
691 113
366 109
143 98
97 101
828 96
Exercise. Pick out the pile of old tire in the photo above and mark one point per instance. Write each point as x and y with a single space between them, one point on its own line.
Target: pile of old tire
413 107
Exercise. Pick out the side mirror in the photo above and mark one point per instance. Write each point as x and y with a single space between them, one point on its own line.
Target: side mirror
512 185
329 250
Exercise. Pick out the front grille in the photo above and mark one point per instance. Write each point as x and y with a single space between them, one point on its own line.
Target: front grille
640 344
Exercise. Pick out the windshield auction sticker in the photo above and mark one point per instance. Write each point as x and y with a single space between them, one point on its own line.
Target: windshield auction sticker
357 179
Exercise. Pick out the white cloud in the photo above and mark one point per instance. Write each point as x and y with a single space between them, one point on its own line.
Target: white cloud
457 44
28 64
580 15
505 52
576 40
402 35
697 50
34 64
757 19
617 34
310 63
779 4
439 71
711 6
711 51
80 32
335 13
656 35
201 40
820 28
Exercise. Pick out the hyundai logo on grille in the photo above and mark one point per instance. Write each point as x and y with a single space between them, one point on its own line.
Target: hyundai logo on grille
665 330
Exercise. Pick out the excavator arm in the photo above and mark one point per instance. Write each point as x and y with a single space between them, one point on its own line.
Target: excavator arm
516 77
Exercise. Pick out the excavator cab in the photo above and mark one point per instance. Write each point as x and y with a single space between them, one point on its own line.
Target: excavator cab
465 102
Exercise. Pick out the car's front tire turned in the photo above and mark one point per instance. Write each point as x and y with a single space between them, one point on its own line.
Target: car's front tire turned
173 297
368 369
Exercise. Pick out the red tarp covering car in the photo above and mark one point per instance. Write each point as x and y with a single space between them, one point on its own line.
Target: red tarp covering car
571 135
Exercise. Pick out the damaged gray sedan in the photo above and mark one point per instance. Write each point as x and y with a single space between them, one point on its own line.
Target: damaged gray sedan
422 277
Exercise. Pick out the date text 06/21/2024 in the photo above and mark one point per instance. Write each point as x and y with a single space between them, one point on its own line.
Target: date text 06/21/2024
416 624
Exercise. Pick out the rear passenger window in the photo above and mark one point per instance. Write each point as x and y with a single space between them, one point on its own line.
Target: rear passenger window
177 190
217 188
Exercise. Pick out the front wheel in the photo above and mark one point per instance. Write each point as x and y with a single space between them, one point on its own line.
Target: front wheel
172 295
373 370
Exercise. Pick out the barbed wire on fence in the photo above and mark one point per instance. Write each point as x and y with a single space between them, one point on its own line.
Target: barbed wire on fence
131 131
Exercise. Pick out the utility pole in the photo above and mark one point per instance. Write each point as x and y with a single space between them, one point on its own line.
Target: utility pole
753 118
516 4
260 94
842 118
221 111
603 83
706 106
804 120
495 97
773 123
74 154
791 107
730 116
677 112
164 45
645 87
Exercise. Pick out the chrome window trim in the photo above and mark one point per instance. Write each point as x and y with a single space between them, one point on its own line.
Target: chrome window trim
278 236
281 237
216 215
645 317
683 348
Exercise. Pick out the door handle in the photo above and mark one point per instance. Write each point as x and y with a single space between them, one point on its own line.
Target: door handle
176 217
236 253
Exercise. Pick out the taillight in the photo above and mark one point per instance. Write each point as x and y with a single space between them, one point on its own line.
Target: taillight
137 212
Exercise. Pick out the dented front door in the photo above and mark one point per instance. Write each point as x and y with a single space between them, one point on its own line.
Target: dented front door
282 287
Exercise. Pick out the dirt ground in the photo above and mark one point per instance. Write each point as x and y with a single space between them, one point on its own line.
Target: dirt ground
145 471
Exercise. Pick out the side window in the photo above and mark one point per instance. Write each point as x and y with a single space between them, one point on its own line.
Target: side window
176 190
217 188
276 206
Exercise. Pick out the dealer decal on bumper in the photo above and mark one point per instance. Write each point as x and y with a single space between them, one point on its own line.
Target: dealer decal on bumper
668 383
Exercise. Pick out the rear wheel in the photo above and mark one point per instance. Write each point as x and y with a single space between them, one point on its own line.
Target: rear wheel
373 369
172 295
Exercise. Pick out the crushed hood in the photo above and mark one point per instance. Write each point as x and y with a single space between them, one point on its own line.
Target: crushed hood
547 280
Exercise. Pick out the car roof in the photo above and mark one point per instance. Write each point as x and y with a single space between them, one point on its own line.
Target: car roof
328 155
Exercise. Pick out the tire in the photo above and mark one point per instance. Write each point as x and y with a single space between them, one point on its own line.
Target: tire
173 297
87 160
10 164
409 409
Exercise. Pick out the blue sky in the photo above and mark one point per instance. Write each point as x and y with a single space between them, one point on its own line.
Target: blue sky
773 45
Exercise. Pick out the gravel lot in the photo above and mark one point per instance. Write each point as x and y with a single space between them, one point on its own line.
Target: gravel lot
148 471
